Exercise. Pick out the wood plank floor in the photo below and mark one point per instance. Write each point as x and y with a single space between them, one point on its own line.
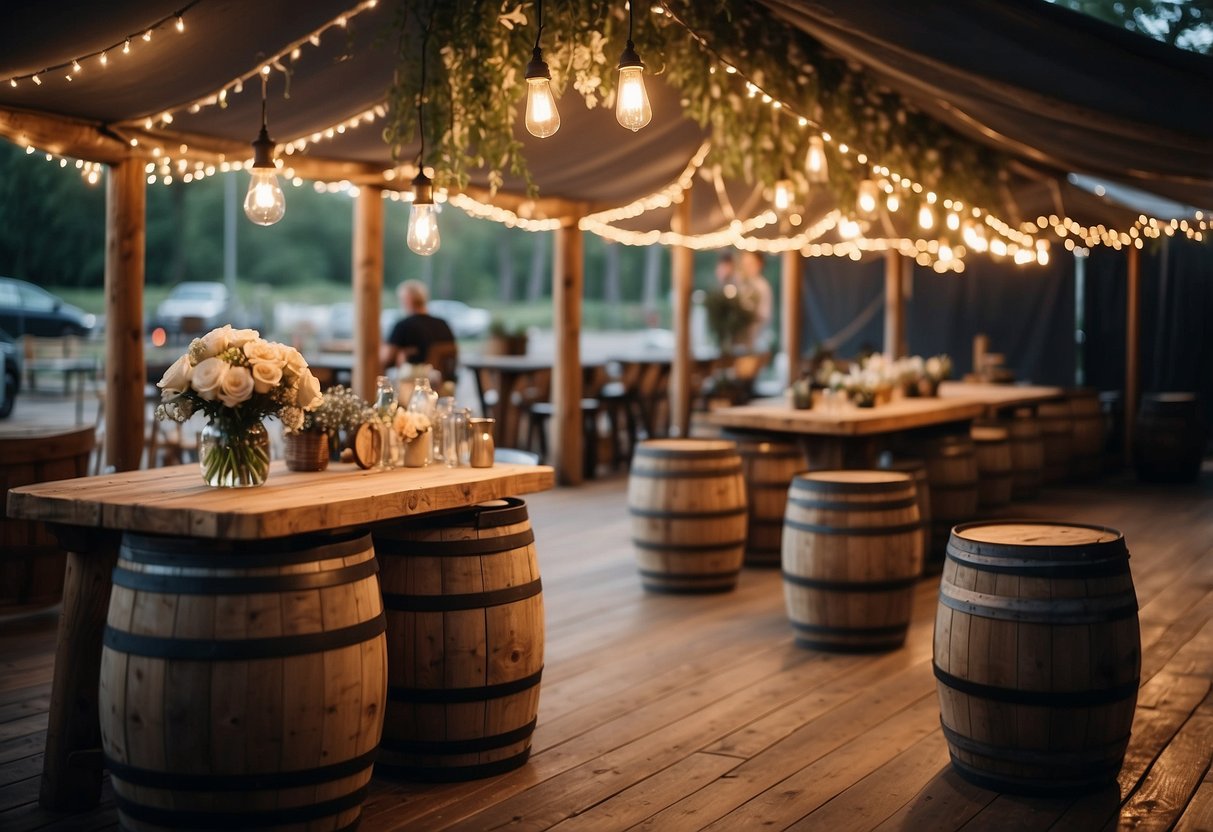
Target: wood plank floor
699 713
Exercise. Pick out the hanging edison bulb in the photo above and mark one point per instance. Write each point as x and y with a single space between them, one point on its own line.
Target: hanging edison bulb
952 220
1042 252
632 108
926 217
815 164
264 202
868 197
423 236
542 117
893 202
784 196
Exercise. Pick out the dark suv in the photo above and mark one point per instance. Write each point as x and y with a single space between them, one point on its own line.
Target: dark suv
26 309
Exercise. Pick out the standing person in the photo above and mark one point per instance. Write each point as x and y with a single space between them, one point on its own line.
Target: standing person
418 337
725 271
756 294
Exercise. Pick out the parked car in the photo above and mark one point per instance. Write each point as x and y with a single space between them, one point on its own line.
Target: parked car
12 373
194 307
26 309
465 321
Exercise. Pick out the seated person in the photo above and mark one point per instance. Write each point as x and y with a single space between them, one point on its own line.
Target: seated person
419 337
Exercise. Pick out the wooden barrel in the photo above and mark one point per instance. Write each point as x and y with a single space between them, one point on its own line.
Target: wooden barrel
1037 655
31 562
994 465
688 505
1112 409
465 642
1057 438
768 464
952 473
1027 455
243 683
1169 438
1088 427
917 469
852 552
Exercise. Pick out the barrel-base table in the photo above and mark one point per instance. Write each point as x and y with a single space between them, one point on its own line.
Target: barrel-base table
90 515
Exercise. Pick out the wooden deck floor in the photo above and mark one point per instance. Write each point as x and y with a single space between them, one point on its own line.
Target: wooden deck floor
686 713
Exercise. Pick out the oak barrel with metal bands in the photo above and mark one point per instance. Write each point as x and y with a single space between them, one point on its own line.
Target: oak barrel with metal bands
768 463
243 683
852 553
1169 438
952 472
995 468
1037 655
1027 454
1057 437
465 642
687 500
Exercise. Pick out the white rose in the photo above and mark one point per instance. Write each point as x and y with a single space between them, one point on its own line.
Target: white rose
177 377
237 386
307 394
216 341
208 376
266 376
264 352
240 337
295 363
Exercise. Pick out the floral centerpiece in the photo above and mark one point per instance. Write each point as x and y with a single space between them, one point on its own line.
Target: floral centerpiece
341 410
409 426
237 379
935 369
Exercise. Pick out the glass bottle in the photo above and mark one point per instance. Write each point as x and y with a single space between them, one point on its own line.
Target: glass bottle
446 406
385 406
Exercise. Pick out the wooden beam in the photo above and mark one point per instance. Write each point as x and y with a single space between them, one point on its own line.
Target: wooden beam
568 287
125 372
792 313
368 288
894 306
64 136
683 278
1132 348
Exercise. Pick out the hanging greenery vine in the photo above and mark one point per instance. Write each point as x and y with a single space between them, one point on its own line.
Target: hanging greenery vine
479 50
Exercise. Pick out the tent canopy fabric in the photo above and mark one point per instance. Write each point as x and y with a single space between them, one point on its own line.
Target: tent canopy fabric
1060 91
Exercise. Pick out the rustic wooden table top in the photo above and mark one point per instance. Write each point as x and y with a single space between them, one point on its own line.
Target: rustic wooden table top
999 395
175 500
777 415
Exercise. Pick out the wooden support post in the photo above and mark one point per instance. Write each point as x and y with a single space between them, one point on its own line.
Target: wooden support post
125 372
568 287
368 289
894 306
683 278
792 313
1132 348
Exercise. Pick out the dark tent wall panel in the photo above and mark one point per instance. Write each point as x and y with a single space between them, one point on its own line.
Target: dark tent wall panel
1176 310
1027 312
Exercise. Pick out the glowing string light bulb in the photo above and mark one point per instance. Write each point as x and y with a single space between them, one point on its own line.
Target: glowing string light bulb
542 117
784 196
893 203
926 217
632 108
868 197
815 164
264 202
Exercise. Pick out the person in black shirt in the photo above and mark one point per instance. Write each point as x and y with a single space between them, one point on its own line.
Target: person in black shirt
415 336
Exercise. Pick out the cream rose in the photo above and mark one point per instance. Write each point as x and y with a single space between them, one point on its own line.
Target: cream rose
295 362
264 352
237 386
266 375
215 341
208 376
307 394
177 377
240 337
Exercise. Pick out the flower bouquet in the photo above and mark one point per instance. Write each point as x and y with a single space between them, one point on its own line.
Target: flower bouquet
936 369
341 410
237 379
411 427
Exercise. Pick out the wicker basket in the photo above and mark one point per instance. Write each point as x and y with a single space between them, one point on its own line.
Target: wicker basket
307 451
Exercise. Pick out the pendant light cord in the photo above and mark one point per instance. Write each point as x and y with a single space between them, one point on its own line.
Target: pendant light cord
425 44
264 87
630 44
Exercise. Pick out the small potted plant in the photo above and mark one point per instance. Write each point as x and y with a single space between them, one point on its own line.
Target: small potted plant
505 339
937 368
341 411
412 428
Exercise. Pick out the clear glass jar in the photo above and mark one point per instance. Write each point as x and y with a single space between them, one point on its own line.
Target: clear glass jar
454 438
424 401
385 408
446 407
234 456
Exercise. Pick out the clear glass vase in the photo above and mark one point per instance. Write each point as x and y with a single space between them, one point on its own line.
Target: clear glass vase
234 456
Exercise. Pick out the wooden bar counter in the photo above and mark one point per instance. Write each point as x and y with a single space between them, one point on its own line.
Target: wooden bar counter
90 514
1000 397
847 436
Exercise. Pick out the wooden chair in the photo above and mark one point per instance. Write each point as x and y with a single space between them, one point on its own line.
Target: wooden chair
31 562
443 356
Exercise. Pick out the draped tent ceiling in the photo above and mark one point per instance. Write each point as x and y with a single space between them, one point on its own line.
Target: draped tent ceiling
1057 90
